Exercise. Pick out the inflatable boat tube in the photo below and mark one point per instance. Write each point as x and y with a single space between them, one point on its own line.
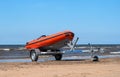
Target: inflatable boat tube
51 40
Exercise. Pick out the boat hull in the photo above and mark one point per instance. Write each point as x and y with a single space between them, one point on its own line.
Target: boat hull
54 41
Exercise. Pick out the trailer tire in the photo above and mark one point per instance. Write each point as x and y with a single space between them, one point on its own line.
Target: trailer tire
33 55
95 58
58 56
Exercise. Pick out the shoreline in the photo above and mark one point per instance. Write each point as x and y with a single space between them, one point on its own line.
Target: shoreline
73 68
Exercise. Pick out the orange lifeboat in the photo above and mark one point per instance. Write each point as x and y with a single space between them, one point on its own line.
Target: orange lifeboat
54 41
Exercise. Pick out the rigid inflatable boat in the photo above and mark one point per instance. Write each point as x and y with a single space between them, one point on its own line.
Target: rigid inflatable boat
51 42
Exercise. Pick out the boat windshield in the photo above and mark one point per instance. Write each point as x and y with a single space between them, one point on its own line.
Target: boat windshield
41 36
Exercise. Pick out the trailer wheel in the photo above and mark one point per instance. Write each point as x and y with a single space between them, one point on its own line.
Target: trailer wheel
95 58
58 56
33 56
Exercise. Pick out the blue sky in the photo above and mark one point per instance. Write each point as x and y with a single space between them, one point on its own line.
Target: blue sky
93 21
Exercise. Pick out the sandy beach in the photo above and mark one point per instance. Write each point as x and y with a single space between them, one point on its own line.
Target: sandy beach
79 68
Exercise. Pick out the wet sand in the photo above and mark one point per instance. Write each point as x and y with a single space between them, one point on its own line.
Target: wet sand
66 68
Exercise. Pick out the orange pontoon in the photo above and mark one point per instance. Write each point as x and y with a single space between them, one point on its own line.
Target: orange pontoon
51 41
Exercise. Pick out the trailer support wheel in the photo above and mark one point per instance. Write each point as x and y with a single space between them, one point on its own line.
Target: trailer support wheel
95 58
